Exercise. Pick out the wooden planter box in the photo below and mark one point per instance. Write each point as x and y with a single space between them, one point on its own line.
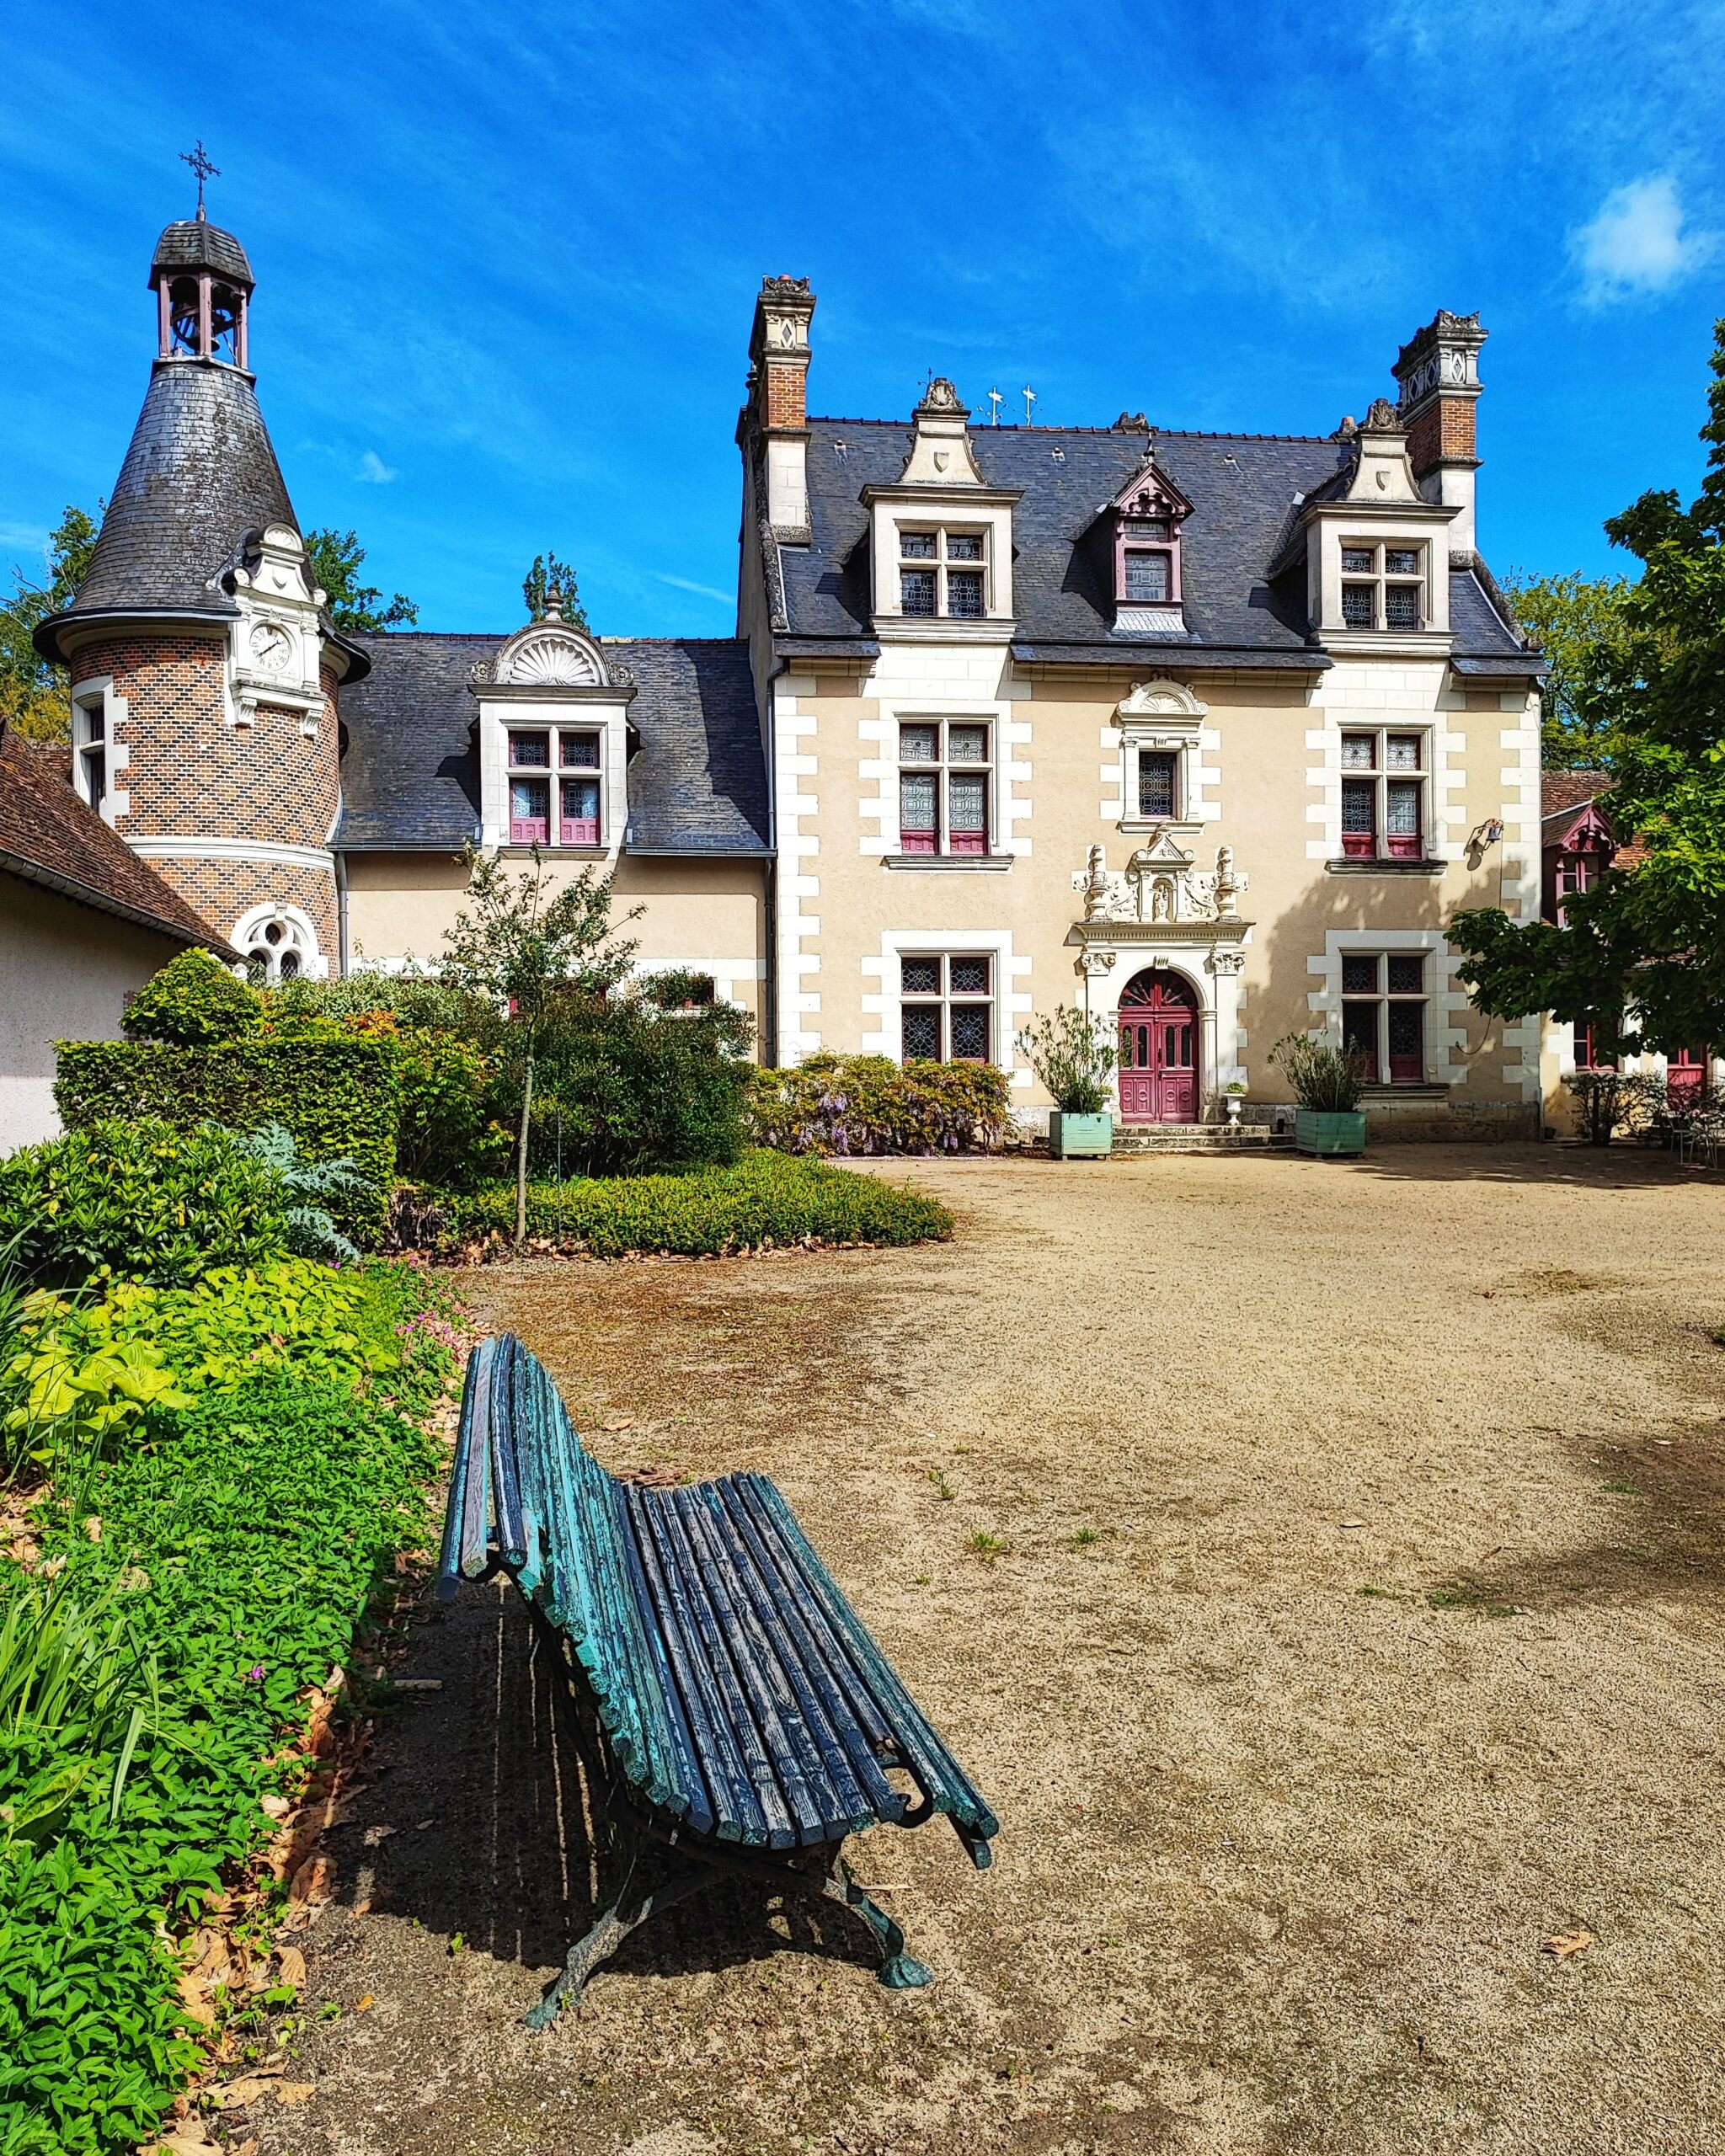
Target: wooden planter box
1329 1133
1073 1137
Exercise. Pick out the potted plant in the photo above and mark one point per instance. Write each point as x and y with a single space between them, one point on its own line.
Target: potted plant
1073 1054
1327 1083
1233 1100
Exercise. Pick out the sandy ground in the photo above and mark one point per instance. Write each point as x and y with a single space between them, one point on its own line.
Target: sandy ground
1356 1628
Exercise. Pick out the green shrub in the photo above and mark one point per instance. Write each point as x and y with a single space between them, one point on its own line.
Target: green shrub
1073 1055
1326 1078
448 1133
145 1692
340 1098
765 1201
193 1002
413 999
622 1085
142 1198
865 1104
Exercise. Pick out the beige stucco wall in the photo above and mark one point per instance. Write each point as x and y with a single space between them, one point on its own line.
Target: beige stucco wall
706 914
1271 763
66 971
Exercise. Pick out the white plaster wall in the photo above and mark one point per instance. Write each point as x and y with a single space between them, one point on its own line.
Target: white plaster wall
65 973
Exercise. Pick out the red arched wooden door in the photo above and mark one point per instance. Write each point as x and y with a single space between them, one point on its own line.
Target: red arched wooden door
1158 1049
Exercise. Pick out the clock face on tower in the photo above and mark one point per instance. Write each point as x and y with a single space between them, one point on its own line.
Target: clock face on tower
271 646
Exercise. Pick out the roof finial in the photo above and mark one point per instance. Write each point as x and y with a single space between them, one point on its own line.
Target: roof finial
199 160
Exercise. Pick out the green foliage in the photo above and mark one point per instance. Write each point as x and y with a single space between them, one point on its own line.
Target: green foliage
863 1104
33 693
1322 1077
547 578
1579 622
765 1201
622 1085
238 1551
141 1196
517 946
1073 1054
413 999
1643 954
340 1098
338 560
311 1232
193 1001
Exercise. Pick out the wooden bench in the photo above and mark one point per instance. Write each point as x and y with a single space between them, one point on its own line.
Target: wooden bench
732 1711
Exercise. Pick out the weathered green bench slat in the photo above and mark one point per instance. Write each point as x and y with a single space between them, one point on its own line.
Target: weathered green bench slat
844 1805
945 1782
849 1709
792 1756
735 1799
736 1708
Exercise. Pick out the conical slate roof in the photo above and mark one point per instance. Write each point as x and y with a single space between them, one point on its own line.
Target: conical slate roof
200 473
195 244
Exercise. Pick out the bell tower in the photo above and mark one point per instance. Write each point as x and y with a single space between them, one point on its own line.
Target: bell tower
204 669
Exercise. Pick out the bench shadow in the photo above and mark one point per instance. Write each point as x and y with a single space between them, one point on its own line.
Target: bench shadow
488 1833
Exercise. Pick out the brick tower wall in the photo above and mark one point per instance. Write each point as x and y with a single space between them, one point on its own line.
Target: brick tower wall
189 774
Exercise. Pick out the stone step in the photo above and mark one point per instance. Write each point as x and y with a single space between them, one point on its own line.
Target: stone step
1197 1138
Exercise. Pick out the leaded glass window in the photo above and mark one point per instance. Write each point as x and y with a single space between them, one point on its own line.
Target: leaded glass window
946 1006
945 776
1158 789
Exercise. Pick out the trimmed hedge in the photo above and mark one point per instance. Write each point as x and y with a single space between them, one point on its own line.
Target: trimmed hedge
341 1099
865 1104
764 1203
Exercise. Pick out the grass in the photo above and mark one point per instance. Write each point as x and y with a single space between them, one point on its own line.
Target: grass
766 1202
988 1546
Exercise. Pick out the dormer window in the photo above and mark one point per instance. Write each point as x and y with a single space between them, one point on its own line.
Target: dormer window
944 574
1147 513
567 758
1382 587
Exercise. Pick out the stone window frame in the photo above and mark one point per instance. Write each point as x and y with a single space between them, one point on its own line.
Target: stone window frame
94 694
555 770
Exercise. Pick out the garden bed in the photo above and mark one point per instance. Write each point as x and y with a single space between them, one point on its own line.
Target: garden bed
766 1202
237 1465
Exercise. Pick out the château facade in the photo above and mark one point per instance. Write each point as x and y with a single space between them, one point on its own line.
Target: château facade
1208 733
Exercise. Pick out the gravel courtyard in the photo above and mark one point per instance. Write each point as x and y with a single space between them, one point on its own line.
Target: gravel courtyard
1317 1565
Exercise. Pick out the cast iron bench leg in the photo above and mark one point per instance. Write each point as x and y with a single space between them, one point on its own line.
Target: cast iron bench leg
630 1910
899 1971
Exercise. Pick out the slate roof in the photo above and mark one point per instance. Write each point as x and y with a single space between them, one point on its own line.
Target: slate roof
1243 488
48 836
200 474
410 769
195 244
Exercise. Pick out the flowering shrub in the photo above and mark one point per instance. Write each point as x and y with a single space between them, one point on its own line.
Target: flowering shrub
864 1104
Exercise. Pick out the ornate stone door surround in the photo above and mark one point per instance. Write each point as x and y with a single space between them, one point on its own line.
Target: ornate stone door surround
1163 911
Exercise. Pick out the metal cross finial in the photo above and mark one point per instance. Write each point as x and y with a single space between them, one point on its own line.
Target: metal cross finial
994 398
1029 399
198 159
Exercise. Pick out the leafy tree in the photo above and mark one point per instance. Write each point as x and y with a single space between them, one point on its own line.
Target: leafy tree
1643 954
33 699
337 560
549 575
1579 621
519 946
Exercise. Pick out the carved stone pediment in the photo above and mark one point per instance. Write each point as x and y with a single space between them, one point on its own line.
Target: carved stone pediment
1168 701
1160 885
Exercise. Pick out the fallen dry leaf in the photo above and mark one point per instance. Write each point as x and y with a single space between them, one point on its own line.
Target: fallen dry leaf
292 1967
191 1992
294 2092
278 1807
365 2005
314 1882
1564 1944
424 1824
246 2147
380 1833
235 2095
92 1528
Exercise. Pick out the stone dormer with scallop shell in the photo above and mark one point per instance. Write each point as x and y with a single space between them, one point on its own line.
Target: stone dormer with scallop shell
553 736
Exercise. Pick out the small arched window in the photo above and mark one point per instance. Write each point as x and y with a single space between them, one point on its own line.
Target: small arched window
277 945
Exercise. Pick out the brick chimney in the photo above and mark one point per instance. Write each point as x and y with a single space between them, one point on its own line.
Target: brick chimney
1438 369
778 384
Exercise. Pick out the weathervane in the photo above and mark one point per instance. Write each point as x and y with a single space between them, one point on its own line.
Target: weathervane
1029 399
994 398
199 162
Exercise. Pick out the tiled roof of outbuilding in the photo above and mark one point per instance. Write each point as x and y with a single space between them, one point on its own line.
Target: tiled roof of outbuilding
48 836
195 244
1563 792
410 770
1246 492
200 473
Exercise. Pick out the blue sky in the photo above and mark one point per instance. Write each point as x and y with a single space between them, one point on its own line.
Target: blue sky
506 258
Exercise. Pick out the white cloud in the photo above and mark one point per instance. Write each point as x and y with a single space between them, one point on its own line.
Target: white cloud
1638 243
374 471
701 590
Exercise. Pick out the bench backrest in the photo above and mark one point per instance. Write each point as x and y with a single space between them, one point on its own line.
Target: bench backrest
561 1533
